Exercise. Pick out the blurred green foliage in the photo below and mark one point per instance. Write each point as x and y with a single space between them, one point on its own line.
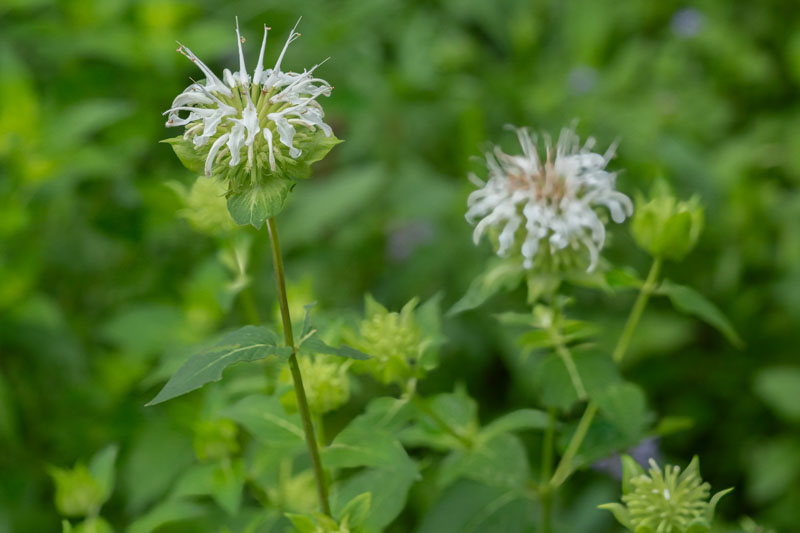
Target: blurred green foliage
101 276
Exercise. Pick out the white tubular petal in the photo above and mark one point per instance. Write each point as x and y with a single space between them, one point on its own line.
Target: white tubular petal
227 75
243 77
250 121
213 83
236 141
286 133
212 152
268 137
292 36
260 66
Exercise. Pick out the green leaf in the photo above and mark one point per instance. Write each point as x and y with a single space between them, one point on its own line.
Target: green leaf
551 379
625 406
388 491
223 481
501 275
102 469
303 523
779 388
500 462
470 507
260 202
356 510
265 418
691 302
384 414
516 421
358 447
250 343
166 513
314 344
189 157
458 410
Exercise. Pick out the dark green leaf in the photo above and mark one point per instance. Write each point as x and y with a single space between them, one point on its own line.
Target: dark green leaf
500 461
470 507
250 343
689 301
314 344
501 275
779 388
519 420
625 406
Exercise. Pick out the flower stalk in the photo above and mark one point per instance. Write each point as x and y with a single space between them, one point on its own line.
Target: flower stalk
565 467
297 377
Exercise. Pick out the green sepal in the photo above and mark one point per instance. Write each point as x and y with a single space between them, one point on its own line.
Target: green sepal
313 149
630 470
186 152
259 202
620 512
712 503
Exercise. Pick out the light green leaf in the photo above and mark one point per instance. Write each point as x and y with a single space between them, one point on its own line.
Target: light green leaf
501 275
313 149
384 414
470 507
102 469
551 379
630 470
356 510
223 481
625 406
691 302
250 343
516 421
189 157
779 388
712 504
260 202
266 419
303 523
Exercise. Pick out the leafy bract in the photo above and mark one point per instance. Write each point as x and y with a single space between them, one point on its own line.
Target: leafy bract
250 343
259 202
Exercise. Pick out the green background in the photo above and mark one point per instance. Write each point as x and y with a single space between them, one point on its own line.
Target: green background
99 274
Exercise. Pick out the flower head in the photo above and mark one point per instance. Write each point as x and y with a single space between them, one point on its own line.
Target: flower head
664 501
247 129
542 208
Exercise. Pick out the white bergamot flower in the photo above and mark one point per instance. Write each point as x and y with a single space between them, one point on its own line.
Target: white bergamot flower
246 129
540 208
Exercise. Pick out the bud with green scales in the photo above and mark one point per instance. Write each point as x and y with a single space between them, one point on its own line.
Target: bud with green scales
401 344
255 134
666 227
664 501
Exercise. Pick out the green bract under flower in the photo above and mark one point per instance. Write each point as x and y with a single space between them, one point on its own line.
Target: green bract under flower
664 501
254 133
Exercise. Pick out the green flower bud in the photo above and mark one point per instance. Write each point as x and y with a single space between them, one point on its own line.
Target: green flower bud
78 493
664 501
394 341
206 208
326 383
215 439
665 227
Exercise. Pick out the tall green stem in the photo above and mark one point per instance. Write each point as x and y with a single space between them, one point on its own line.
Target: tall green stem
647 289
565 468
302 401
545 493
